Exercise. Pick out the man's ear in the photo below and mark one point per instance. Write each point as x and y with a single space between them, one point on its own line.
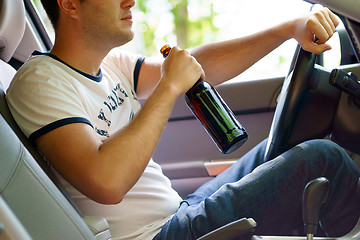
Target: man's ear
69 7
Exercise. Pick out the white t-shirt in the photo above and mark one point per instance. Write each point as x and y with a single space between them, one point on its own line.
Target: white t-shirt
46 93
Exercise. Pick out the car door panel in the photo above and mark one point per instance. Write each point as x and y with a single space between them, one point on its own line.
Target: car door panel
184 147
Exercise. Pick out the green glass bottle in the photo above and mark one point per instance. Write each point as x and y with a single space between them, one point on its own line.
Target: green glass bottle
214 115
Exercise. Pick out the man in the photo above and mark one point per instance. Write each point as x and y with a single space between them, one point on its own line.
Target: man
79 104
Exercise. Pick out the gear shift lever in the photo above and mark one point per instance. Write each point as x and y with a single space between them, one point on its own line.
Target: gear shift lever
315 195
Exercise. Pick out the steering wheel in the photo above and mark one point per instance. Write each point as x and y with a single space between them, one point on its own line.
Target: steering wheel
306 105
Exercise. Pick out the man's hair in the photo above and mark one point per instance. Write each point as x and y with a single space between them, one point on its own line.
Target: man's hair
52 10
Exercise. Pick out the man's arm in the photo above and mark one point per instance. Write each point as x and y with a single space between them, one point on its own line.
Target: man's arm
106 171
224 60
237 55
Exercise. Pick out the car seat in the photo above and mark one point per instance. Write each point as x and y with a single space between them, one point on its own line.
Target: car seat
28 197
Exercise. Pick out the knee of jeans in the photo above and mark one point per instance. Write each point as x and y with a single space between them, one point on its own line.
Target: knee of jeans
326 148
322 144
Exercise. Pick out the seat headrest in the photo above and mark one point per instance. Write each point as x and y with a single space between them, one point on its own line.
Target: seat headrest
12 27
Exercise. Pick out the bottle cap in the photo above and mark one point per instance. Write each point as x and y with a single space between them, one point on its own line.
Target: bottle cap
165 50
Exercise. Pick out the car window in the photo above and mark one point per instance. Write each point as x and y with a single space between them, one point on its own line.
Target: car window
213 20
44 18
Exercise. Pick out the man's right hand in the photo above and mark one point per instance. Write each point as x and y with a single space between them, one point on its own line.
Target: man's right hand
180 71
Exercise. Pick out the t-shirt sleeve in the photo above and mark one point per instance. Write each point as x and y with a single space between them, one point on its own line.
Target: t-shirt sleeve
42 100
128 63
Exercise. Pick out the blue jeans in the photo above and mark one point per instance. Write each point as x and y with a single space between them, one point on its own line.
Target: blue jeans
271 193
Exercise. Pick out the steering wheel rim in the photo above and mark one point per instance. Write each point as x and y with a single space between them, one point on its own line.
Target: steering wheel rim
295 85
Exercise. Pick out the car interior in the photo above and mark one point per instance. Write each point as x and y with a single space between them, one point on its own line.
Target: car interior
310 102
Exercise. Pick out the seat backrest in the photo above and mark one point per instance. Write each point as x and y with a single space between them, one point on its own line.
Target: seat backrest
12 27
10 226
32 196
25 186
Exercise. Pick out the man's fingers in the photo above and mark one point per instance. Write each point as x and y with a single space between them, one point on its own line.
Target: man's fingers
326 12
323 24
333 17
320 24
318 29
316 47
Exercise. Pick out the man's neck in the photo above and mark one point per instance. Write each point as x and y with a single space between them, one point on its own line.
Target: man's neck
84 59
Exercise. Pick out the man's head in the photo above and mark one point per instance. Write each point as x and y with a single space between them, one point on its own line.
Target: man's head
52 10
107 19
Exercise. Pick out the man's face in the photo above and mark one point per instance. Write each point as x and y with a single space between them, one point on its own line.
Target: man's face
107 21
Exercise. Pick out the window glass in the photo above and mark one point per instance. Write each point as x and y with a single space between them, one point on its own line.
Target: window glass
188 23
44 19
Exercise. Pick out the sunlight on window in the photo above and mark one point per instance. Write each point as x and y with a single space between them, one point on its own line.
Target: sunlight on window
231 18
45 19
332 58
247 17
237 18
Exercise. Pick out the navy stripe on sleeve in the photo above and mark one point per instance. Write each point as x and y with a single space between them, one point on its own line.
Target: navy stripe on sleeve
38 133
137 71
